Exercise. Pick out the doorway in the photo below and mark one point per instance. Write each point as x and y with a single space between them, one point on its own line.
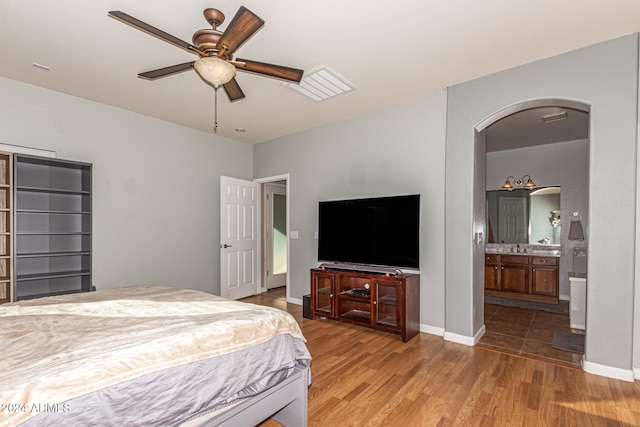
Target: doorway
274 233
514 326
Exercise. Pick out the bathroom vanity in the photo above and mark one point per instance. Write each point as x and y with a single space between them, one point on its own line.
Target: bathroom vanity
522 276
522 258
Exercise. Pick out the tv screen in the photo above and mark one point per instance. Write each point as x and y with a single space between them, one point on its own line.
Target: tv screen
377 231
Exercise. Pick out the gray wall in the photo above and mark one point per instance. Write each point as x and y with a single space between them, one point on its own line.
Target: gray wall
156 185
604 76
396 151
565 164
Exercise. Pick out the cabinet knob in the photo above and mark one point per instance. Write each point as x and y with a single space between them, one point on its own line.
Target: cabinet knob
533 269
330 295
501 268
375 302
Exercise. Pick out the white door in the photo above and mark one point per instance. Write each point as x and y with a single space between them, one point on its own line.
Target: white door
512 220
275 235
238 237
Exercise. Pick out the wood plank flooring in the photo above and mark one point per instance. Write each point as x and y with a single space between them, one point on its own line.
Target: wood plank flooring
363 377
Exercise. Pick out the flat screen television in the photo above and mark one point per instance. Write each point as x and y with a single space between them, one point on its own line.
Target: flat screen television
381 231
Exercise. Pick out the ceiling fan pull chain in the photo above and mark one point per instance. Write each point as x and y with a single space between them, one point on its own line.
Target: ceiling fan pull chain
215 123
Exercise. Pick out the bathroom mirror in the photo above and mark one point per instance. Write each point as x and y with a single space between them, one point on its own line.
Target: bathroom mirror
524 216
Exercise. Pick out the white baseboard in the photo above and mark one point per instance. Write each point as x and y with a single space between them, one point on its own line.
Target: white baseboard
464 339
590 367
296 301
608 371
433 330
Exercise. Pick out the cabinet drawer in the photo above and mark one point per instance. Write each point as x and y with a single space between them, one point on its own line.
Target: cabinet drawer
491 258
515 259
544 260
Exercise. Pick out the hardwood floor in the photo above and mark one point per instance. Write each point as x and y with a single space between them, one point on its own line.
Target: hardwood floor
363 377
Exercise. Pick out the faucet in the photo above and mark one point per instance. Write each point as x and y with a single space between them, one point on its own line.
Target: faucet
518 246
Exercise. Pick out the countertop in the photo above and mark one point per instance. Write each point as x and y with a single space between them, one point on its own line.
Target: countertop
550 253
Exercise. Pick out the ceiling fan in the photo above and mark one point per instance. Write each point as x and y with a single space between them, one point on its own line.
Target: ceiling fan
216 48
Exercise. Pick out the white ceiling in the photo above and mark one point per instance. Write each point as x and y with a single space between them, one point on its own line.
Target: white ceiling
392 51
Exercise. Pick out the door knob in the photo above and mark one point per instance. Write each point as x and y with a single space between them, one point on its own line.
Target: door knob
225 246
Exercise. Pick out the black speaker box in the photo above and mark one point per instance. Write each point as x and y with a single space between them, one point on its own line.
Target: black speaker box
306 306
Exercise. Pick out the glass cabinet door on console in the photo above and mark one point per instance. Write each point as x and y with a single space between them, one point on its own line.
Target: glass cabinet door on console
323 294
386 304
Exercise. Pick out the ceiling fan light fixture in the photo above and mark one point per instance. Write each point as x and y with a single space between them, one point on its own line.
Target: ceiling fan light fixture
214 70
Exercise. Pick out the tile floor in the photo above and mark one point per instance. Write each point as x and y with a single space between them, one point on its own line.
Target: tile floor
527 333
513 330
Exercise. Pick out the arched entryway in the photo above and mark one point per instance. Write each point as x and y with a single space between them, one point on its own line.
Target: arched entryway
534 155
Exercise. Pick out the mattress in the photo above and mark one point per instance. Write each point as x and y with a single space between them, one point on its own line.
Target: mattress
144 355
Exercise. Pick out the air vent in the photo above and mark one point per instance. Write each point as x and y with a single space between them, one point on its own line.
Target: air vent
554 117
321 84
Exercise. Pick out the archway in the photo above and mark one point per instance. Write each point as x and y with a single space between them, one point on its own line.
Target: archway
482 140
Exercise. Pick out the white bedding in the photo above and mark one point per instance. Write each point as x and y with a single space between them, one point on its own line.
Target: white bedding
58 348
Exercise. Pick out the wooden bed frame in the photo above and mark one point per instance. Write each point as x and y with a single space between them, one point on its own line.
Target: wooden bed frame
285 402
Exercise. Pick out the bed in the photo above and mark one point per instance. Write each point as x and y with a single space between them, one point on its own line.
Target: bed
150 355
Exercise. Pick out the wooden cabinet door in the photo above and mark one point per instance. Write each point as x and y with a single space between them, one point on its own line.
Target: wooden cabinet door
544 276
387 301
323 290
491 277
514 278
544 281
491 272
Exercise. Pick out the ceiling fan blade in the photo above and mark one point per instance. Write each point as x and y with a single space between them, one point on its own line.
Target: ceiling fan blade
240 29
166 71
149 29
232 88
271 70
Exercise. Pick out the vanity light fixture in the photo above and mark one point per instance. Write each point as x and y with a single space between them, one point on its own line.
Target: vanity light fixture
511 182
